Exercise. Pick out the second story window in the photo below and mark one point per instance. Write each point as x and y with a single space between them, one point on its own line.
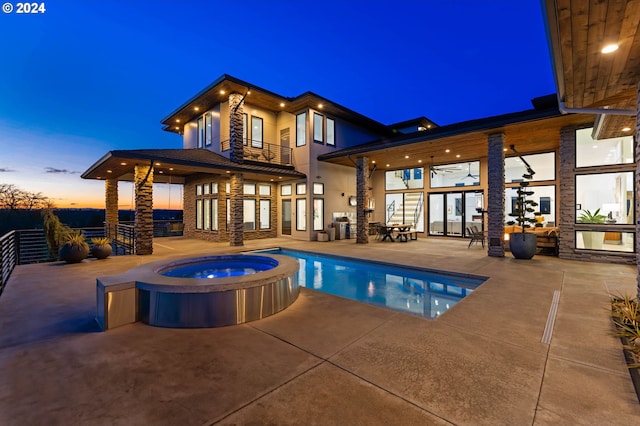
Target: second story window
331 132
318 128
201 132
208 129
256 132
301 129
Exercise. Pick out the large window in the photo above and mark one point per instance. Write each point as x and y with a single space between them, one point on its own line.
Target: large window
301 129
405 207
544 166
265 214
318 128
545 196
455 174
201 132
318 214
590 152
249 207
331 132
404 179
256 132
611 194
208 129
301 214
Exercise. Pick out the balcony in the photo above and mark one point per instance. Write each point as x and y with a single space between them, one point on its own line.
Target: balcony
262 152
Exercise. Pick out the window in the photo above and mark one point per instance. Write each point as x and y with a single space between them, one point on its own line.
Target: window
206 214
256 132
318 188
285 190
214 214
265 214
610 193
208 129
455 174
318 128
603 152
405 207
331 132
545 196
199 203
245 123
264 189
214 187
249 189
249 207
404 179
543 164
301 129
318 214
205 189
198 189
301 214
301 188
201 132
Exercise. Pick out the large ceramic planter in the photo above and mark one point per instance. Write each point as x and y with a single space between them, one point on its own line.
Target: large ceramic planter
101 251
523 244
73 253
593 240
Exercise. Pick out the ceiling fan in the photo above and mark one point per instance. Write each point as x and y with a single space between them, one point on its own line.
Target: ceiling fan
435 169
469 175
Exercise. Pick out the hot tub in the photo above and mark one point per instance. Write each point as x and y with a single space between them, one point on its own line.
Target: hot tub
210 291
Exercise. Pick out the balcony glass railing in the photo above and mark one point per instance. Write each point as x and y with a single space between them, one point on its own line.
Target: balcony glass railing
262 152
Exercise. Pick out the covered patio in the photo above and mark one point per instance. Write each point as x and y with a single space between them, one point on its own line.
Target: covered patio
325 360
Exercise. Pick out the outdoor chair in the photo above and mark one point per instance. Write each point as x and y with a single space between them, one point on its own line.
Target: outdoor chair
477 236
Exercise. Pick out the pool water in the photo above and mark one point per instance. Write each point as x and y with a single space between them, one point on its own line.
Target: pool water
421 292
222 266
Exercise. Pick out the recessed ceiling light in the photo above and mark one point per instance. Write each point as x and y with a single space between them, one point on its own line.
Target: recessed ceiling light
157 164
160 172
457 155
373 162
428 126
228 171
171 168
222 92
626 129
447 150
282 104
610 48
406 156
177 127
123 164
504 149
387 165
109 171
320 106
419 161
248 92
177 120
196 108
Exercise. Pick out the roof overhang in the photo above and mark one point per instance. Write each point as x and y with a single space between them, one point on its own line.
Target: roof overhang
174 165
531 131
218 93
587 79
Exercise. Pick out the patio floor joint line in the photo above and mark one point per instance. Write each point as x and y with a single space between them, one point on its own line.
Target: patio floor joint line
551 318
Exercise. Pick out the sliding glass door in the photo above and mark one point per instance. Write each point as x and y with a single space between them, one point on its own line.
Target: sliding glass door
451 213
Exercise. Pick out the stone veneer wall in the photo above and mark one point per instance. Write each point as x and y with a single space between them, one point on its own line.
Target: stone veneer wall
236 217
143 181
567 195
495 195
236 109
221 235
111 206
362 198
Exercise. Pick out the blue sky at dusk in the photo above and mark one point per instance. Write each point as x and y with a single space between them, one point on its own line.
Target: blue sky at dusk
87 77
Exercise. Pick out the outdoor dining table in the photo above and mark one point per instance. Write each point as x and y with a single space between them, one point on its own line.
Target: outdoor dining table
387 230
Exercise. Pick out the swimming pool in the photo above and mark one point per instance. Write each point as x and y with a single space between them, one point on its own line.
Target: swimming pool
416 291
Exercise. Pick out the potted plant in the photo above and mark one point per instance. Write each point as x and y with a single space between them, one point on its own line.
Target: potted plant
74 249
523 244
54 232
592 239
101 247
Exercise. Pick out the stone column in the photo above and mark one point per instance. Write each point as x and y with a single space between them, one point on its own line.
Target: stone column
495 195
236 224
637 194
567 193
236 143
143 181
111 207
362 200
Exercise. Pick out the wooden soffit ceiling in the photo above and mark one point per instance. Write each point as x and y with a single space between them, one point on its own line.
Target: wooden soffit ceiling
586 77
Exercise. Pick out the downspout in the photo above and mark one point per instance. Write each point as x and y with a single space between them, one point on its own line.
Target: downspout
597 111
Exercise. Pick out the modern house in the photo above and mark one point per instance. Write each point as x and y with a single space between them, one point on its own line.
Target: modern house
257 164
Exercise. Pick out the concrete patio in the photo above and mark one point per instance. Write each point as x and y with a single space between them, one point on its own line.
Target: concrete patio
324 360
